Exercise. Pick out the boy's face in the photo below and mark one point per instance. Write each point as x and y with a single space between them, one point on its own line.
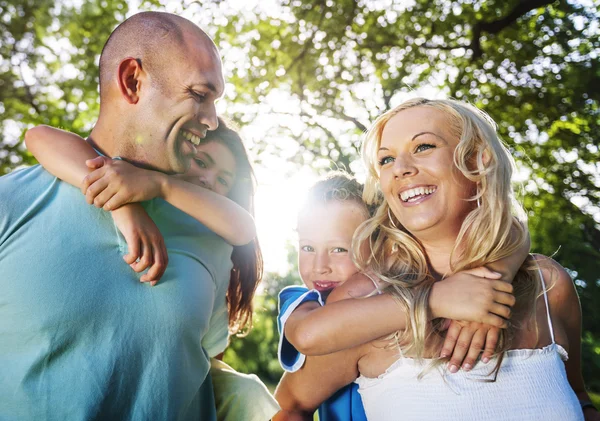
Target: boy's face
325 237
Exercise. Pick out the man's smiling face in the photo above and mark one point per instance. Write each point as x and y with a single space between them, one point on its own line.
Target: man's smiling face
179 106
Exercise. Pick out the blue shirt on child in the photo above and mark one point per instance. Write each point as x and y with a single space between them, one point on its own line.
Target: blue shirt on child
345 404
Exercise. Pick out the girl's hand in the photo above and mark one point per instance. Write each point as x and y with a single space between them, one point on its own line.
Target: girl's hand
475 295
116 182
144 241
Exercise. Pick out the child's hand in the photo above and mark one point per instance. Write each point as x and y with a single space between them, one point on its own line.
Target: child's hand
114 183
475 295
144 241
465 341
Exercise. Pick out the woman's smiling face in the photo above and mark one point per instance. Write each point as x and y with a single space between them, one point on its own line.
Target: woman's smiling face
418 178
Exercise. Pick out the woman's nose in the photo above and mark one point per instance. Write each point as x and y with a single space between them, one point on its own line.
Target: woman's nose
404 166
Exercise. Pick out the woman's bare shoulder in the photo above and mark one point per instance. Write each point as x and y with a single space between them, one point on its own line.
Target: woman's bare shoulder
558 282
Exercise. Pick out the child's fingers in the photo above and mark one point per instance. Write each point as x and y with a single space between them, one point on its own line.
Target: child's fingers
95 189
451 338
133 244
104 196
500 310
475 349
145 260
158 267
115 202
461 348
495 320
505 298
96 163
484 272
91 178
502 286
491 341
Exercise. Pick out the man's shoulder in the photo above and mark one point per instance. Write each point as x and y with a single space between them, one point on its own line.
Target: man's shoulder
30 177
21 188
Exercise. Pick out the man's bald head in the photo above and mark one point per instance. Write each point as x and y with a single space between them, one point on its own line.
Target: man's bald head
155 39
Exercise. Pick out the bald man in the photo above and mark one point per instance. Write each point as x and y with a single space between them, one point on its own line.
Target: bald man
80 337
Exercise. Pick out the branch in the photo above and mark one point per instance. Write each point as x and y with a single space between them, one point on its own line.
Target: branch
308 43
524 7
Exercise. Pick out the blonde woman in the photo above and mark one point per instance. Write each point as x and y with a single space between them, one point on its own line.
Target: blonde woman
449 206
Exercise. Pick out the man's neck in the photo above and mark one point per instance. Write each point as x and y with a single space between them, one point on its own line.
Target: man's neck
103 139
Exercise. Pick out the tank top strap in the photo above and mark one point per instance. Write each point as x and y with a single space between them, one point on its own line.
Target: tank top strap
546 301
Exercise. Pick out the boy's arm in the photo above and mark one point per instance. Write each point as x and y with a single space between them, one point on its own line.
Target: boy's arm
300 393
61 153
352 321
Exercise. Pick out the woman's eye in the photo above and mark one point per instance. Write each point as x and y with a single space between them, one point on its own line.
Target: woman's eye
424 146
385 160
223 182
307 248
339 250
200 163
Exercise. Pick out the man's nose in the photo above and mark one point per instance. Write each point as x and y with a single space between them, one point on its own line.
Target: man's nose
209 118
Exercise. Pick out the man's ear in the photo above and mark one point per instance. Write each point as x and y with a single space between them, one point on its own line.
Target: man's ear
130 77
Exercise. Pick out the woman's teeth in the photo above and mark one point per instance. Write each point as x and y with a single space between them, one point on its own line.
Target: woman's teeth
191 137
407 195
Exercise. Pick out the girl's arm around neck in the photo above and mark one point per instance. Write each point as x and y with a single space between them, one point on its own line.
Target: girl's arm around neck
62 154
509 266
219 213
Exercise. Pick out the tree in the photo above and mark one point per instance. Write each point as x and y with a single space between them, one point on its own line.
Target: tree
531 64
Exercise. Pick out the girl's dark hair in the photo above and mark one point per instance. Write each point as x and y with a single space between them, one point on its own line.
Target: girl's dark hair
247 260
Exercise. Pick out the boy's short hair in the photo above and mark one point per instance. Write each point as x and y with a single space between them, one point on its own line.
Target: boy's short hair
339 186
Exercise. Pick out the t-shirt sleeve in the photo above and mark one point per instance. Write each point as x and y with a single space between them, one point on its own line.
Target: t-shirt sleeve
289 299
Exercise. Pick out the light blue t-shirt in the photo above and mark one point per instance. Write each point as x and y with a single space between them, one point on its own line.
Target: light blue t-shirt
80 337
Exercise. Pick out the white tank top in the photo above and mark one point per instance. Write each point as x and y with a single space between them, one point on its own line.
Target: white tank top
531 385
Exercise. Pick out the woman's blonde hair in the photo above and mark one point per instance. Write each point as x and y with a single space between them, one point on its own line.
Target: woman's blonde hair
494 229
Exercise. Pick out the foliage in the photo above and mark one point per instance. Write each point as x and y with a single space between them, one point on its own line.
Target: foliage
531 64
257 352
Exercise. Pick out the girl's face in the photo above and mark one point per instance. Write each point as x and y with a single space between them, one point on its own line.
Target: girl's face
213 167
419 180
325 237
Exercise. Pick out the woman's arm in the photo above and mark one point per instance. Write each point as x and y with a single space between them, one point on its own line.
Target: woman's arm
566 313
347 321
